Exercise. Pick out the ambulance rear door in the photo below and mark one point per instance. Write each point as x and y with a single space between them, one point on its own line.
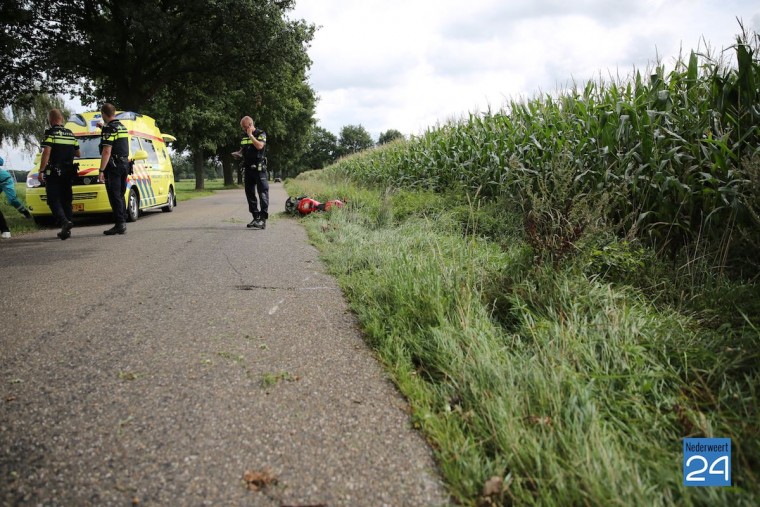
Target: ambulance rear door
159 187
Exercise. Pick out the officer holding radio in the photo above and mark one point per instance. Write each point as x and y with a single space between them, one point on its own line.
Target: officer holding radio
114 166
58 171
253 152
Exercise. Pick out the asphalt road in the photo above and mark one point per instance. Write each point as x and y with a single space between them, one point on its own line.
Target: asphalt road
157 368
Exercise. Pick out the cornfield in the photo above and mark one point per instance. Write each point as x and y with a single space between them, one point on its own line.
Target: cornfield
674 153
574 382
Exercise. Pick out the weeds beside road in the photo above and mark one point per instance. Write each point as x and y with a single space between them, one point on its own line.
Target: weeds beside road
568 287
542 383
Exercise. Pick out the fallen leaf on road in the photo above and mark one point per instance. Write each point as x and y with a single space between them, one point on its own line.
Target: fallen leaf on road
255 480
10 399
130 375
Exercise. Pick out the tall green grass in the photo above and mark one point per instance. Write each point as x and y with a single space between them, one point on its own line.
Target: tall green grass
569 389
671 152
566 288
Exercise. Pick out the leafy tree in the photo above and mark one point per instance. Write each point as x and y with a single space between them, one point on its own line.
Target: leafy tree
205 117
182 165
206 110
389 135
130 50
196 118
354 138
286 112
322 149
196 66
20 70
184 169
24 122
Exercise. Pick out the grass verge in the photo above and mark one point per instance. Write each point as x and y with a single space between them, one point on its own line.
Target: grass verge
186 189
20 225
551 385
17 223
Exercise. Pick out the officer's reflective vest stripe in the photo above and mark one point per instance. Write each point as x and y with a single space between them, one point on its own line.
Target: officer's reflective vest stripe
121 133
61 136
60 140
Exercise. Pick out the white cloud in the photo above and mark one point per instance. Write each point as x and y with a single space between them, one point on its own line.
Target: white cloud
487 19
410 64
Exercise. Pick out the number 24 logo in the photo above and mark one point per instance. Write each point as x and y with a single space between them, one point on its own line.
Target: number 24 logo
695 475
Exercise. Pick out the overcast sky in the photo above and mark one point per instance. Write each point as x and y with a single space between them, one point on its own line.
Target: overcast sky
410 64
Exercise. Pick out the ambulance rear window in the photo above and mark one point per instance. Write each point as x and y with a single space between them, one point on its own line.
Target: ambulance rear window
134 145
148 146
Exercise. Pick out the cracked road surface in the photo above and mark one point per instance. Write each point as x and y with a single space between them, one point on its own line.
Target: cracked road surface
157 368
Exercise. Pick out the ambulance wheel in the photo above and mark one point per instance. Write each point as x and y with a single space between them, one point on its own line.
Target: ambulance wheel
170 202
133 206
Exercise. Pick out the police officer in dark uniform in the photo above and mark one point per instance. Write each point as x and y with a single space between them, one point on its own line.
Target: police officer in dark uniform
58 171
253 151
114 166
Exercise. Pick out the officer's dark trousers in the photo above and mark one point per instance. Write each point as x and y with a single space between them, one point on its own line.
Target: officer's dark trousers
59 196
116 185
256 181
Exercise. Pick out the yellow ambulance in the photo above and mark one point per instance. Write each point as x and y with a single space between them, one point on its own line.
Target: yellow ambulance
150 186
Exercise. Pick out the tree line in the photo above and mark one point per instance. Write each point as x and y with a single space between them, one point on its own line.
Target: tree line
324 147
196 66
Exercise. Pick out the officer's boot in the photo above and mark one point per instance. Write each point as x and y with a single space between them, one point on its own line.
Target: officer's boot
66 230
116 229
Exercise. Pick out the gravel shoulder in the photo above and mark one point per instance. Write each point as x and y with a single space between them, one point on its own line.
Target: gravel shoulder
161 366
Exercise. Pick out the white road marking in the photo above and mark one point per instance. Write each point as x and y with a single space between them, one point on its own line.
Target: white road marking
274 309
